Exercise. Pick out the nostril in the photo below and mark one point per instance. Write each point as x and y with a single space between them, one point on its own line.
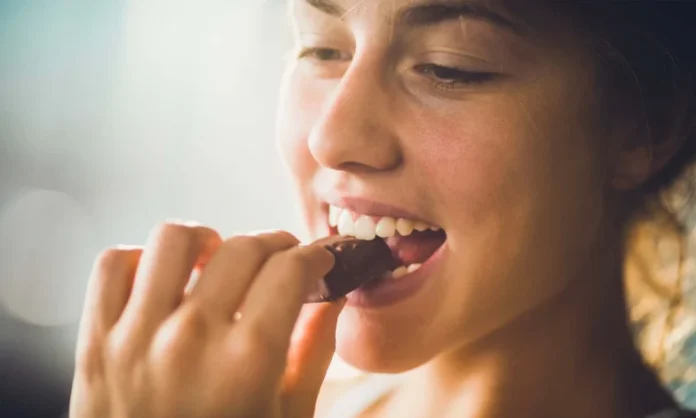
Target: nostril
354 149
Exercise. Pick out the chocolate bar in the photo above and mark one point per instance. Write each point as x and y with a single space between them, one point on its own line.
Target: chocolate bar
357 263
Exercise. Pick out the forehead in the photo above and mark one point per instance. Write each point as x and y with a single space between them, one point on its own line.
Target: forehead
529 16
346 7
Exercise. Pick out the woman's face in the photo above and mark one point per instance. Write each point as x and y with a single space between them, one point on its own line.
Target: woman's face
467 119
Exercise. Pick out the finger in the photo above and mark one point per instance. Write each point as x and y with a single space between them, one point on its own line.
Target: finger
312 347
275 298
107 294
108 290
223 283
172 251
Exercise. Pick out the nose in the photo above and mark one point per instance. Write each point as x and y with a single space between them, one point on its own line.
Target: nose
354 131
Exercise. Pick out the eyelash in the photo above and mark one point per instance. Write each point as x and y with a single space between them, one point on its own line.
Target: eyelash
316 53
454 77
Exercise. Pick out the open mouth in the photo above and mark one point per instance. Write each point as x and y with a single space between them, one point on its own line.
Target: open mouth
411 242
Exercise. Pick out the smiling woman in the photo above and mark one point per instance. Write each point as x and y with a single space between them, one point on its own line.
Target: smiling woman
511 128
509 154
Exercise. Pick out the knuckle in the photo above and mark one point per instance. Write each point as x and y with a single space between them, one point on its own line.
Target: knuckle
179 237
171 231
286 236
181 334
110 259
245 347
253 354
251 342
89 356
260 341
298 262
119 351
245 245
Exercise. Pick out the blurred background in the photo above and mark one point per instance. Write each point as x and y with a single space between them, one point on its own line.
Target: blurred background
116 115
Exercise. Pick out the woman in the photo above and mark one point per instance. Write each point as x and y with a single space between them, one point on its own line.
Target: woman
523 141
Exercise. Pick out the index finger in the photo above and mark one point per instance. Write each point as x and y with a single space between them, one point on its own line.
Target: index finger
166 265
277 295
224 282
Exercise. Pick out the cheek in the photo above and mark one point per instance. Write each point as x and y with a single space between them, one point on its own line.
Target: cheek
466 159
299 107
510 158
514 189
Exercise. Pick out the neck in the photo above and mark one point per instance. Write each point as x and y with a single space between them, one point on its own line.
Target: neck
572 357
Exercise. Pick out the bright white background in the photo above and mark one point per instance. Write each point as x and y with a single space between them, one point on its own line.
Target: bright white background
115 116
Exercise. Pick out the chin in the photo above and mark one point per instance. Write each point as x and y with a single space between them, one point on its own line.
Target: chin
379 348
375 360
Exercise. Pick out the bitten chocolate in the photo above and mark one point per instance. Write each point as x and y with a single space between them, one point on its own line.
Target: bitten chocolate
357 262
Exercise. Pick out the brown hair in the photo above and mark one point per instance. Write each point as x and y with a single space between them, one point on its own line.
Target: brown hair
649 54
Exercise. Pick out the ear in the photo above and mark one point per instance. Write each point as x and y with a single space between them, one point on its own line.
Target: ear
636 164
632 167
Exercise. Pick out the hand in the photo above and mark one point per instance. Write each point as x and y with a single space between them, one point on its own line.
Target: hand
147 348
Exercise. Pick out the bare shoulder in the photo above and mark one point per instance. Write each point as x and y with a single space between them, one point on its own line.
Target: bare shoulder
331 391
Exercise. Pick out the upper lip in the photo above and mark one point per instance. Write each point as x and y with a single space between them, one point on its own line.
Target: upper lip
367 207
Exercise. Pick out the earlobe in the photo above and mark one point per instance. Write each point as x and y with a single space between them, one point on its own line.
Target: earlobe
633 167
646 152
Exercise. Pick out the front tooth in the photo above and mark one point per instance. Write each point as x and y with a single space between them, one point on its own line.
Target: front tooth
420 226
365 228
435 228
386 227
399 272
334 214
413 267
404 227
346 226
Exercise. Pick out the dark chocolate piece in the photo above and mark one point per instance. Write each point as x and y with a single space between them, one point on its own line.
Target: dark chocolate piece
357 262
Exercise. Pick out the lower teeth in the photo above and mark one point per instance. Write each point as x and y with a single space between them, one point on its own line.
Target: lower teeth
400 272
413 267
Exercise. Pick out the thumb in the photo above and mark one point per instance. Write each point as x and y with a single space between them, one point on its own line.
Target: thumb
311 349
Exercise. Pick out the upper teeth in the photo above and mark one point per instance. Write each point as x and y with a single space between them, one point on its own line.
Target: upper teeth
367 227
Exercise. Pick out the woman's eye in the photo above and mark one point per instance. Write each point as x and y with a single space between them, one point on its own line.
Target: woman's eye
449 77
323 54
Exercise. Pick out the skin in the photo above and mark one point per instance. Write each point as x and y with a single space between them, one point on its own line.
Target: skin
151 346
523 173
524 317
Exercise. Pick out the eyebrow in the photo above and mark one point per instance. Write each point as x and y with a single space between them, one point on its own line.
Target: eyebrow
429 13
328 7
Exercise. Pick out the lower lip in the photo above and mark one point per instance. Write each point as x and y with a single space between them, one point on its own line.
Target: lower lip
392 291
